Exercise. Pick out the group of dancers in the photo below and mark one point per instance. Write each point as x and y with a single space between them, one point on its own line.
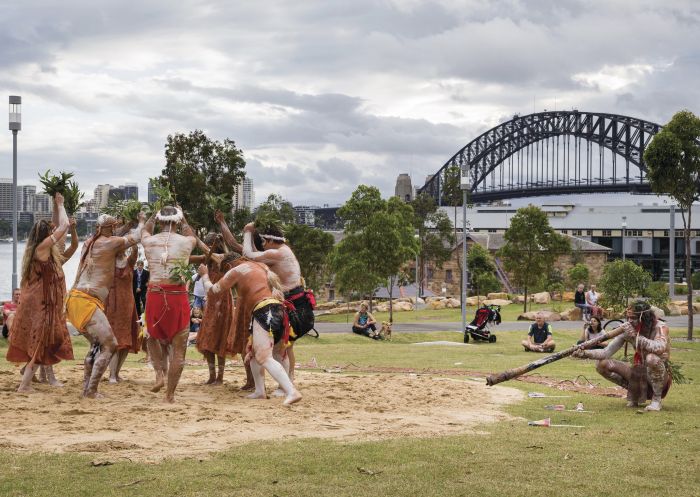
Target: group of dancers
272 308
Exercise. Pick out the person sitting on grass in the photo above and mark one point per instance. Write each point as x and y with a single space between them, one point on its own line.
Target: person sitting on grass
592 330
539 338
364 323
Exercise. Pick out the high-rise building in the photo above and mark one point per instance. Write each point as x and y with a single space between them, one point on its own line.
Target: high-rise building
306 214
404 188
102 195
25 199
152 197
243 195
116 193
131 190
42 204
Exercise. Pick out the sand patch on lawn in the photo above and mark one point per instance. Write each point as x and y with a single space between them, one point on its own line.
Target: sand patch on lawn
131 423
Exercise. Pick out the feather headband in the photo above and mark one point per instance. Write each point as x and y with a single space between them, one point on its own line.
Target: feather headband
170 218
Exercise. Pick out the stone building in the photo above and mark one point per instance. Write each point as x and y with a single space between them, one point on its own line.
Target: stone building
446 280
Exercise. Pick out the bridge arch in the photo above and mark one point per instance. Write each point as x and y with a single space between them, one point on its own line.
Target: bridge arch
533 155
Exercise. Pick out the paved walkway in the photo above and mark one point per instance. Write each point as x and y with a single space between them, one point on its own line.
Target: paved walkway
673 322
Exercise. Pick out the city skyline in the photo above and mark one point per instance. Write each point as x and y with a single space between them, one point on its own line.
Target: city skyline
324 96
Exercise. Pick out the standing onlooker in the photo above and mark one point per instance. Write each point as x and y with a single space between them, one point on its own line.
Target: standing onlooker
200 295
141 277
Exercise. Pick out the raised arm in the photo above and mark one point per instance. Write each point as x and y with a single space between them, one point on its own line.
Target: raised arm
42 251
73 241
268 257
229 239
149 227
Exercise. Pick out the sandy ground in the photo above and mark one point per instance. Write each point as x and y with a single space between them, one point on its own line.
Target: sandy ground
131 423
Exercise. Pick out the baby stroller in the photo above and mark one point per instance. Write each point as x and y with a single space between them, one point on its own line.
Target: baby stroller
479 327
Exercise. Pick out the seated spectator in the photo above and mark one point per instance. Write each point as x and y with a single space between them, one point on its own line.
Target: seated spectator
539 338
364 322
196 317
591 330
8 312
580 301
592 300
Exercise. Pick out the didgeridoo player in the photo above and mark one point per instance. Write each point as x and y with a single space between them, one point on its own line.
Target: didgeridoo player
514 373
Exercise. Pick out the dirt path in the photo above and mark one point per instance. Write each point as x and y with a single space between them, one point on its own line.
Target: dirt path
132 423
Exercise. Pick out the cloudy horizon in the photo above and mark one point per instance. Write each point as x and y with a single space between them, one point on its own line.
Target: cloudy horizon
323 96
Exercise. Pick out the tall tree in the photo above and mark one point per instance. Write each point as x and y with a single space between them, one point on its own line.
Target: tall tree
311 247
531 247
277 208
197 167
435 237
622 280
482 270
453 196
673 162
378 241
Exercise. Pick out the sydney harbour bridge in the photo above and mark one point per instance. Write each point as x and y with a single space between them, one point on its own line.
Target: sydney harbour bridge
549 153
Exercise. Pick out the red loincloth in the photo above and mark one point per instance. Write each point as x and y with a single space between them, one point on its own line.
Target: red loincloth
167 311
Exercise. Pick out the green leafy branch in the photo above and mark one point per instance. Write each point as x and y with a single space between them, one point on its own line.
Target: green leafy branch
181 272
63 184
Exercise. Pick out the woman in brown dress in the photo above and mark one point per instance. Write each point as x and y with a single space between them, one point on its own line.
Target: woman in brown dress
218 314
120 309
39 333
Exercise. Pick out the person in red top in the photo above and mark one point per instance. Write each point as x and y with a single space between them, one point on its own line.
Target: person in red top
8 312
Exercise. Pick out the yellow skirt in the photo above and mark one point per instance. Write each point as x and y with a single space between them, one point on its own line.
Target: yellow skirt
80 307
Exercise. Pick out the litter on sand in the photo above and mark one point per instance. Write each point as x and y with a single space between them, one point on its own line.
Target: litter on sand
547 423
540 395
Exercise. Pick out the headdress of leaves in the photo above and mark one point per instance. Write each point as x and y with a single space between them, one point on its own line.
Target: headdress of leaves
126 210
164 196
222 203
65 186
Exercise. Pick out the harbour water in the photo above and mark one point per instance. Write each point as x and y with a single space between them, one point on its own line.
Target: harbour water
70 268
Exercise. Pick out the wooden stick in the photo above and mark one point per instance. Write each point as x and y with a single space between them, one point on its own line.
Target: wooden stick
492 380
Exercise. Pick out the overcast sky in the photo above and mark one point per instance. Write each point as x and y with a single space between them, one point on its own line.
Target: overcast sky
322 96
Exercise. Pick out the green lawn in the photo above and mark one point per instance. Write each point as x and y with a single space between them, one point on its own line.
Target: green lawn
508 313
618 453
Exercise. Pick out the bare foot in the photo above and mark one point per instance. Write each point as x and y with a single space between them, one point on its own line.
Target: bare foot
25 389
278 393
248 386
160 383
94 395
256 395
210 381
169 399
218 381
55 383
292 398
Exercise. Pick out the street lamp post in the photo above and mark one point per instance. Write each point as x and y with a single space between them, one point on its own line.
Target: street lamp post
465 185
624 227
15 126
672 254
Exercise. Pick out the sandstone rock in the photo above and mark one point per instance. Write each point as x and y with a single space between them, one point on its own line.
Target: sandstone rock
326 305
428 300
383 307
659 312
403 306
674 310
436 304
497 295
501 302
343 309
572 314
541 298
473 301
452 304
549 316
568 296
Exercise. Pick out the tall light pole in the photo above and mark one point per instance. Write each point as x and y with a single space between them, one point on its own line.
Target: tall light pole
465 185
672 253
624 227
15 126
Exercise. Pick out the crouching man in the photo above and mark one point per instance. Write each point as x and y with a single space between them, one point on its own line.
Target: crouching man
255 284
649 376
